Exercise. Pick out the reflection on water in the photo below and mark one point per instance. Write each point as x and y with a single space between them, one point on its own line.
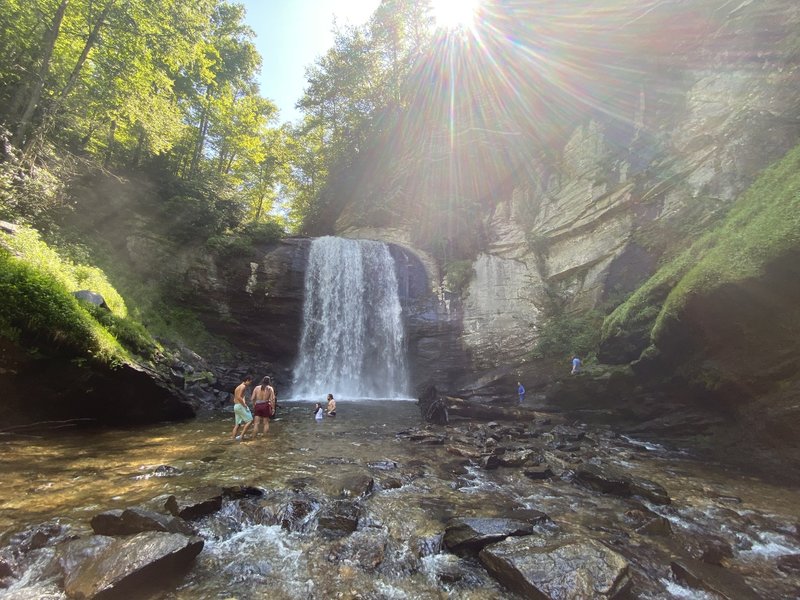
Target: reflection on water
76 474
71 477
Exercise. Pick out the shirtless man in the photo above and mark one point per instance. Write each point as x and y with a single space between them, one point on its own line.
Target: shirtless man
241 413
263 397
331 406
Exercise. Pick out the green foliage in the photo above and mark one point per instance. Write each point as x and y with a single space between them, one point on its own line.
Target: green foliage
36 308
37 302
125 83
352 90
131 334
242 241
565 335
27 244
457 275
763 225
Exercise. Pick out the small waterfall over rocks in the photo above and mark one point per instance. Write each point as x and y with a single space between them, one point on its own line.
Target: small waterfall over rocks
353 340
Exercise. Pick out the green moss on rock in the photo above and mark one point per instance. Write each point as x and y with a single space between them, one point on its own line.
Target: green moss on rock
762 226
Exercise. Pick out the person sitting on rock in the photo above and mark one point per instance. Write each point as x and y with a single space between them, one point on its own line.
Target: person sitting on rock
576 365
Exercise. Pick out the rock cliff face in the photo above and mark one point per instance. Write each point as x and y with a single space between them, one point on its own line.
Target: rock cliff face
713 100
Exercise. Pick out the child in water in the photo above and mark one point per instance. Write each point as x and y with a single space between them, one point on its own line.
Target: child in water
319 413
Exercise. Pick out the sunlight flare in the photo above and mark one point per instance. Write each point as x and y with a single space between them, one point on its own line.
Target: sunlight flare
452 14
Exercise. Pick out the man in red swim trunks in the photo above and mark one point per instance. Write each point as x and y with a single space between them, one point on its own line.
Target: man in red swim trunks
263 397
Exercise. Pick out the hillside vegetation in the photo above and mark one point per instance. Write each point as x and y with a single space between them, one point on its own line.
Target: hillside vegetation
761 228
40 311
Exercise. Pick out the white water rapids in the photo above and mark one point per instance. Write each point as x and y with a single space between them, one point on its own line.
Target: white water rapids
353 341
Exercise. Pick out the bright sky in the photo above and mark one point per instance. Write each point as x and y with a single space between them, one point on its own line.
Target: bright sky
290 35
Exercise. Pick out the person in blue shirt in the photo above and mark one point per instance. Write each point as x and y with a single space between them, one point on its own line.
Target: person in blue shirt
521 392
576 365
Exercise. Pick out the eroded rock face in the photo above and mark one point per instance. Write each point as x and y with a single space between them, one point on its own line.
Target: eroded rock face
82 391
261 291
572 568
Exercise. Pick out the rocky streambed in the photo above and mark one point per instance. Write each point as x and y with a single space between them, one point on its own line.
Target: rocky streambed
375 504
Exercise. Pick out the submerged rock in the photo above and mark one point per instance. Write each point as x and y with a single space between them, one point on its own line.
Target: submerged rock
341 517
297 513
102 567
237 492
712 578
356 486
790 563
365 548
569 568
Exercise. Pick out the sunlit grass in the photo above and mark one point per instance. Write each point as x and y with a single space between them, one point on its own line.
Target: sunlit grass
37 305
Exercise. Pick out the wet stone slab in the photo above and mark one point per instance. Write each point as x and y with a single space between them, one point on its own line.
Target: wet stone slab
105 567
713 578
466 535
561 569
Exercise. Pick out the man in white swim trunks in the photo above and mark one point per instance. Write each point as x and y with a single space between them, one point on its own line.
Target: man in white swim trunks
241 413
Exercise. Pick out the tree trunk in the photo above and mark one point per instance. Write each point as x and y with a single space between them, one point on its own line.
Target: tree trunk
112 130
201 136
90 42
87 47
44 71
137 154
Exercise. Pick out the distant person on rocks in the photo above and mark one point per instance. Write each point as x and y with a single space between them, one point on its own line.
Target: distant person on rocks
319 412
241 413
576 365
331 406
263 397
521 392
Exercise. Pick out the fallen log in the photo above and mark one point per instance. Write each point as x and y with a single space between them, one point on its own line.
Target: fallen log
458 407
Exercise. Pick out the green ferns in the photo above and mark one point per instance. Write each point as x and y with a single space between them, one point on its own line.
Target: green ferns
763 225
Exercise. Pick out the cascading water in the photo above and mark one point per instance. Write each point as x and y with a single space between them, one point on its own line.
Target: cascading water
353 340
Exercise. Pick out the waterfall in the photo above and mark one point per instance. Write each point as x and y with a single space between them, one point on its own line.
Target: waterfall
353 340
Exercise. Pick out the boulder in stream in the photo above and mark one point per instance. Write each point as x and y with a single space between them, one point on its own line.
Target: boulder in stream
468 535
538 472
515 459
565 568
103 567
137 520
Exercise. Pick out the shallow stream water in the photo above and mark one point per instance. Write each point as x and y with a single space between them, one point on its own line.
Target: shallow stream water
68 477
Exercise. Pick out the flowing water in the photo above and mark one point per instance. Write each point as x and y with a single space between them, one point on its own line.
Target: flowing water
353 339
66 478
